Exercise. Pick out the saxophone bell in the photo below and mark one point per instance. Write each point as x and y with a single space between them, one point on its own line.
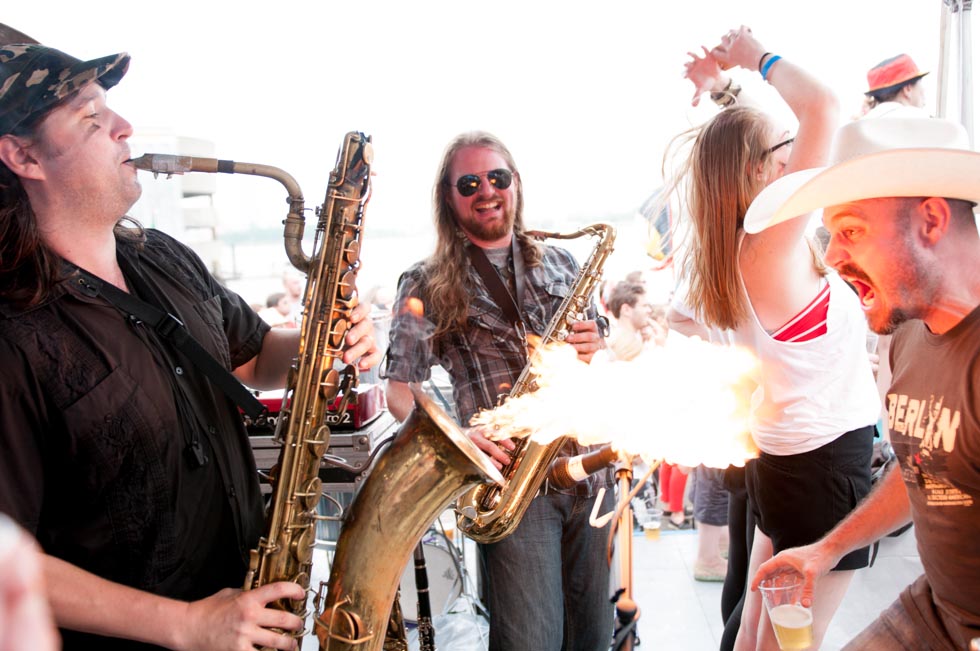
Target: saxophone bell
429 463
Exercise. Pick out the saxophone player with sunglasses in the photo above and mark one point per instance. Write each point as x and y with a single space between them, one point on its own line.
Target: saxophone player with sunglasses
125 459
548 582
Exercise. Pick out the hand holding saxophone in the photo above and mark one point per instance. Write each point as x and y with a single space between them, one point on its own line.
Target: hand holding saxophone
361 344
498 451
234 619
585 339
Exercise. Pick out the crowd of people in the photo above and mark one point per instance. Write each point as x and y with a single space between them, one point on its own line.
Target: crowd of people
132 495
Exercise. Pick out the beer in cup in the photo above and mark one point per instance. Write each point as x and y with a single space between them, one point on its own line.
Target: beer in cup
651 526
791 622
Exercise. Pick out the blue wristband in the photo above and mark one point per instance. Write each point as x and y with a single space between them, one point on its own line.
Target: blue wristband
768 64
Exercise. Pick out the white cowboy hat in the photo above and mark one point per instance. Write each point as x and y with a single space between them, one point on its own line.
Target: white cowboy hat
890 157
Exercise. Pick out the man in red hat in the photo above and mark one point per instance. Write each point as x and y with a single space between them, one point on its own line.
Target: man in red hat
894 89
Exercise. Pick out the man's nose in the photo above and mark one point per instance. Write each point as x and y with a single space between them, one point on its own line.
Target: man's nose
121 127
486 187
835 255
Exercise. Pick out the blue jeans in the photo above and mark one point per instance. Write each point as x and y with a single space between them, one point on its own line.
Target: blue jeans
548 582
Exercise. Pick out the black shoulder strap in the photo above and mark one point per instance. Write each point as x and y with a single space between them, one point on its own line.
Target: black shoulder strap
171 329
501 295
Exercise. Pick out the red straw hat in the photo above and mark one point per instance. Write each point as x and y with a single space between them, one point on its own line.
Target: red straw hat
893 72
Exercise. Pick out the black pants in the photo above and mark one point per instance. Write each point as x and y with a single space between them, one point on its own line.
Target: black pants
741 533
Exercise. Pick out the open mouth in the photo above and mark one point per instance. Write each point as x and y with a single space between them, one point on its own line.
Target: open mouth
487 206
865 292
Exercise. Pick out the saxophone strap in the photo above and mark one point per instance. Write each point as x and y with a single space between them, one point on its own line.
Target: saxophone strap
170 329
495 285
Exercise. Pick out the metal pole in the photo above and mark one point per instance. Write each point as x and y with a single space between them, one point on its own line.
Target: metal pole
944 11
966 68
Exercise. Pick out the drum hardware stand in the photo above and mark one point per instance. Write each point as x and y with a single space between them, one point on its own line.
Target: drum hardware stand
458 554
625 637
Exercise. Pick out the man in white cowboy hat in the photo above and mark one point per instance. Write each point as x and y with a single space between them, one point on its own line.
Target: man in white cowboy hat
899 207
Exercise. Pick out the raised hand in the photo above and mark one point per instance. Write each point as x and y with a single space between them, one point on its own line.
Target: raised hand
738 48
705 73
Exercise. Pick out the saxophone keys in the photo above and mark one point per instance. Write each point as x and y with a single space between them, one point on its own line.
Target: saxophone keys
367 152
330 384
319 444
298 606
302 549
352 253
310 496
338 332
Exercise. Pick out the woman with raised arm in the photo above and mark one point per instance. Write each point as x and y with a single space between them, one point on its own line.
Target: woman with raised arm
813 411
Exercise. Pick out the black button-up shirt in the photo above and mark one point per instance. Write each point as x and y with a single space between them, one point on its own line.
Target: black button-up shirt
94 413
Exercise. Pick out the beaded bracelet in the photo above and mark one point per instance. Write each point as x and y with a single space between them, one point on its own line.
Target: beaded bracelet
765 69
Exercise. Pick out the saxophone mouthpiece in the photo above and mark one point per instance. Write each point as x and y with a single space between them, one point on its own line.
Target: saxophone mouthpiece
163 164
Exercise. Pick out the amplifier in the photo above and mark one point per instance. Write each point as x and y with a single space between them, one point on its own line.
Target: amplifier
367 404
350 447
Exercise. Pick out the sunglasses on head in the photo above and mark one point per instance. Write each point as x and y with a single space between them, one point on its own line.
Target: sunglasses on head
778 145
468 184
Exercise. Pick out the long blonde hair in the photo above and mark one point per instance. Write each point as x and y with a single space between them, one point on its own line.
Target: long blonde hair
722 178
447 293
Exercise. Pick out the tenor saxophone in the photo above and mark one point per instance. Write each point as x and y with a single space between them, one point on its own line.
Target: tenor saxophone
490 513
315 389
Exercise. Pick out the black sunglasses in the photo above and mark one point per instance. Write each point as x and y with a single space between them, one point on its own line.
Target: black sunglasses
788 141
468 184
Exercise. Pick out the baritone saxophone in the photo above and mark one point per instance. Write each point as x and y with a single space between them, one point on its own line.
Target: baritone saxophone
490 513
429 463
315 389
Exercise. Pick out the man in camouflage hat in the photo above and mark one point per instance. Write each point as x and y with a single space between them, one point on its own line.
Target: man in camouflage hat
131 469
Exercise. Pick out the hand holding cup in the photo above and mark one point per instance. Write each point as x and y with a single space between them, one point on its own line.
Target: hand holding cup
791 621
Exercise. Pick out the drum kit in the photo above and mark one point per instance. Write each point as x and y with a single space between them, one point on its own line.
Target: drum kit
444 570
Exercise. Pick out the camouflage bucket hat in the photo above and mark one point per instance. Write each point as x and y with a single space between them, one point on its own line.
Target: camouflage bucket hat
33 78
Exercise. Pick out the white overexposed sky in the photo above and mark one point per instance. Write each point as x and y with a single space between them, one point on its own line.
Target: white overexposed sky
586 94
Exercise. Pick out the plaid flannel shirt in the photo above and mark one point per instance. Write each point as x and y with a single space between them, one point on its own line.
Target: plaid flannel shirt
486 357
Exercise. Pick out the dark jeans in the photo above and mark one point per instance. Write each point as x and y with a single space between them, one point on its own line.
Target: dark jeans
548 582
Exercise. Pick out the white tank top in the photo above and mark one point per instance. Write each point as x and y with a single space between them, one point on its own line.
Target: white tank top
811 392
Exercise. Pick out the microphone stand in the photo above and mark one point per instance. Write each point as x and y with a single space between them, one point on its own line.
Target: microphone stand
625 637
627 612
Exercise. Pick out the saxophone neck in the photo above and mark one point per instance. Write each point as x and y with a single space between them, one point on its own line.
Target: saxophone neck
170 164
599 229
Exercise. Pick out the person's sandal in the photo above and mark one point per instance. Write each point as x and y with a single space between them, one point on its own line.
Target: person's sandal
685 524
703 574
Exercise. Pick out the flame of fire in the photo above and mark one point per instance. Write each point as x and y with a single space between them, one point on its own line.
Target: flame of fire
414 307
686 402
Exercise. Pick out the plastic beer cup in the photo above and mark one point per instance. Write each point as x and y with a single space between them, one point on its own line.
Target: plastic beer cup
651 527
791 622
